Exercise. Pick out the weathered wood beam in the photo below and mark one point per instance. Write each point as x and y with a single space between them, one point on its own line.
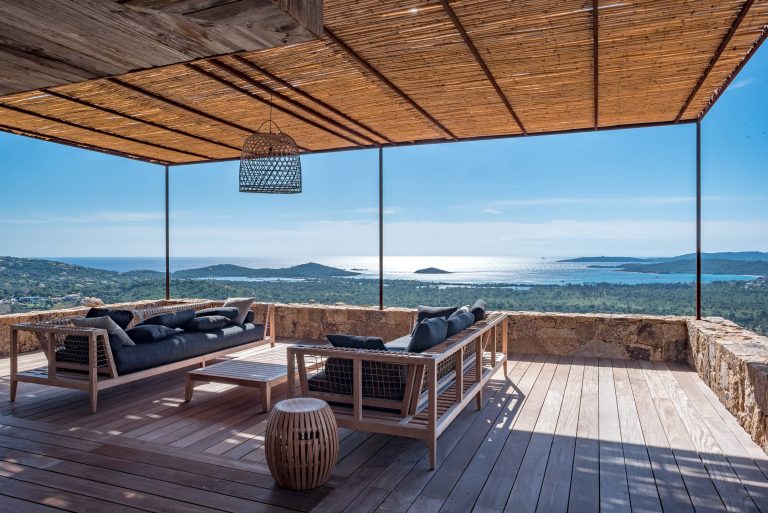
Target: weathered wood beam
732 76
481 62
147 122
376 73
309 97
180 106
75 144
713 61
99 131
287 99
596 62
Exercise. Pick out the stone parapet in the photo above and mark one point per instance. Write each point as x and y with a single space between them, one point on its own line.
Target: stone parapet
733 362
638 337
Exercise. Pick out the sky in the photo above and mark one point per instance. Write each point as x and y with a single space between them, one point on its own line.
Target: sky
624 192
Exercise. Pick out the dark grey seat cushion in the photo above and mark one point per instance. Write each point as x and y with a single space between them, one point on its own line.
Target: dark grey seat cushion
399 344
428 333
230 312
249 317
356 342
380 380
185 345
150 333
207 323
172 320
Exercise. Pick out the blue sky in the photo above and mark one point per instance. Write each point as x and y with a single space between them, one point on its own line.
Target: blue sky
628 192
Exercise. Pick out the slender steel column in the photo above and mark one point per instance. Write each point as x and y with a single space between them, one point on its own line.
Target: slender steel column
381 228
698 219
167 239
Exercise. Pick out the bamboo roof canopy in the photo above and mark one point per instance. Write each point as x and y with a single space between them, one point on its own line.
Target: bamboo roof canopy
388 72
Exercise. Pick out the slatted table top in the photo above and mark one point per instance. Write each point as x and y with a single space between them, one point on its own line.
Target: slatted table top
266 366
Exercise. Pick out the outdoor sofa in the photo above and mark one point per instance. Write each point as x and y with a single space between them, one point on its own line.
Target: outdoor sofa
398 392
90 359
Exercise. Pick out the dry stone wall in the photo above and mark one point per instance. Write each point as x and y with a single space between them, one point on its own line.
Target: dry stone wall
733 362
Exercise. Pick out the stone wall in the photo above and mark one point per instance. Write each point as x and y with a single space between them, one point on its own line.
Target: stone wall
313 322
638 337
733 362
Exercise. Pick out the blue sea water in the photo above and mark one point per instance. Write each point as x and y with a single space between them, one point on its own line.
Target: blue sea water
464 270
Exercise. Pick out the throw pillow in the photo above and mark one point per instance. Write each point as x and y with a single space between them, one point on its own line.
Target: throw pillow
428 333
229 312
478 310
117 336
429 312
356 342
459 322
150 333
121 317
250 317
243 305
172 320
206 323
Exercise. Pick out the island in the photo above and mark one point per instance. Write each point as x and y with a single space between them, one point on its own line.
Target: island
431 270
308 270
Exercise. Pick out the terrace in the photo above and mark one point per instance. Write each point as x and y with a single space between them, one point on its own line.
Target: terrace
596 412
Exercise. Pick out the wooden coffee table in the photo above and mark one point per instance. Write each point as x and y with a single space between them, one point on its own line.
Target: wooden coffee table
261 369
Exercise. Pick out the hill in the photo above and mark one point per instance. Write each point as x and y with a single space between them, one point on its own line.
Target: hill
709 266
604 259
431 270
750 256
309 270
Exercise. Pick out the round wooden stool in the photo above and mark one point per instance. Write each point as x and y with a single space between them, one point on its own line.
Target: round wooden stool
302 443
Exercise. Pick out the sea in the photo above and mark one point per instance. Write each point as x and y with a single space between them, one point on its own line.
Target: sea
463 270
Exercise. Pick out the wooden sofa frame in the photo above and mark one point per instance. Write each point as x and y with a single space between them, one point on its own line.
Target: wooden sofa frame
440 382
95 376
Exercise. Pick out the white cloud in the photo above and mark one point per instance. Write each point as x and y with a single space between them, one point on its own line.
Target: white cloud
741 83
494 211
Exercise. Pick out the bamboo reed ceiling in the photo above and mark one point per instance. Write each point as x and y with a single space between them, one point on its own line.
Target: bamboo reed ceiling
405 71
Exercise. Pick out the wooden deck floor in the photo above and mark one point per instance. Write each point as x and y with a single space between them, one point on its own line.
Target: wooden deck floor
558 434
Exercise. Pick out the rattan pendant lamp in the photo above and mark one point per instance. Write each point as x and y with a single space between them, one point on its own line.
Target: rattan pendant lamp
270 161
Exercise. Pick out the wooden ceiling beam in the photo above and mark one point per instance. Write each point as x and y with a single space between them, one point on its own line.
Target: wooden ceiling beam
481 62
376 73
596 62
235 87
75 144
180 106
713 61
732 76
255 83
309 97
99 131
147 122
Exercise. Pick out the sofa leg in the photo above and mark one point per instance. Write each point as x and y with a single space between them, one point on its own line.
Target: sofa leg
94 399
14 386
432 444
479 399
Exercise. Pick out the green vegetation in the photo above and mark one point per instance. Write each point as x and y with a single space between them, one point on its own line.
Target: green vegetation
309 270
709 266
745 303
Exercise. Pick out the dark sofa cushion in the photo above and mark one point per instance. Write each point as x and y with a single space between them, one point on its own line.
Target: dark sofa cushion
230 312
428 333
185 345
172 320
478 309
121 317
429 312
249 317
459 322
206 323
150 333
356 342
381 380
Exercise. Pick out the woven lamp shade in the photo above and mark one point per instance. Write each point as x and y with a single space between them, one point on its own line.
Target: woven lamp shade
270 164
